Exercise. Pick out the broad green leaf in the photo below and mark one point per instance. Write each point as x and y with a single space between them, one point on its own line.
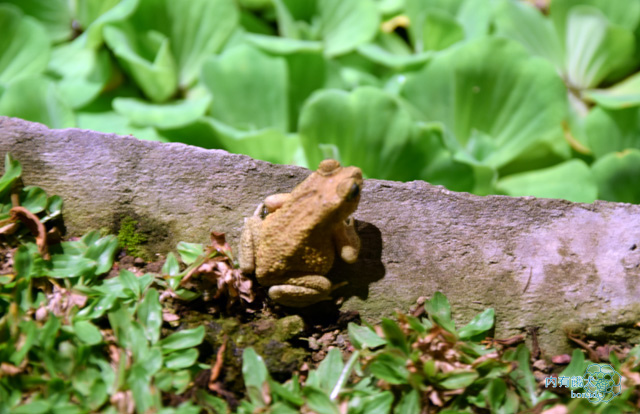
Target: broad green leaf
181 359
217 404
268 144
189 252
440 31
523 376
409 403
619 96
319 401
476 17
102 251
572 180
472 16
379 403
394 61
113 12
55 16
187 338
23 263
523 22
84 72
33 407
150 315
330 369
365 118
287 26
481 323
612 130
394 335
626 14
255 374
139 382
454 380
130 282
308 72
439 305
67 265
33 199
87 332
364 337
577 366
47 335
24 45
496 393
28 335
140 349
608 47
390 368
36 99
195 30
283 45
618 176
120 319
147 58
171 266
88 11
439 311
344 25
12 170
485 89
249 89
112 122
170 115
54 208
286 394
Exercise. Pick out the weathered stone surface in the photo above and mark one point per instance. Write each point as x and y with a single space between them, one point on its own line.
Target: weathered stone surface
543 263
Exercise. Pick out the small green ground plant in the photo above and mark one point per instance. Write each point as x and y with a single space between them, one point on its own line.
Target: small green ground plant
414 365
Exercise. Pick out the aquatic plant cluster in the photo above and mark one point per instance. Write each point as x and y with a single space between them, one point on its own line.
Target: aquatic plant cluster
487 96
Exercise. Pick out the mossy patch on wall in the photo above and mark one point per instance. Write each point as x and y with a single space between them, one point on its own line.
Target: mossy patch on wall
130 239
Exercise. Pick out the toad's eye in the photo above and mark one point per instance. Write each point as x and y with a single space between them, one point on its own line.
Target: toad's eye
354 191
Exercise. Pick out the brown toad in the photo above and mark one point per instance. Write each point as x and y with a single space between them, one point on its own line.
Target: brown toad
291 240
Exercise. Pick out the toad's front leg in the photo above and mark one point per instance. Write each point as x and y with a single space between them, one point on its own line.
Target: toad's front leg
347 240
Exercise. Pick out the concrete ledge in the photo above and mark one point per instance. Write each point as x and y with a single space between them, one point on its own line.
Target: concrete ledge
551 264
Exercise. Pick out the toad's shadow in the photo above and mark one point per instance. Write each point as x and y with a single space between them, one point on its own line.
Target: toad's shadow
359 275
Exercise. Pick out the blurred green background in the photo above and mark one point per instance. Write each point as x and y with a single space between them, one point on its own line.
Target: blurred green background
487 96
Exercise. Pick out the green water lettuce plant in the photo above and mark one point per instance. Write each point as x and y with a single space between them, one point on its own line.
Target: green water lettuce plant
463 93
483 95
562 37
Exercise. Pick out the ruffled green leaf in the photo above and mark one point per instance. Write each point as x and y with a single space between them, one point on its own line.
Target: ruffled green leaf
55 16
612 130
618 176
24 45
84 71
344 25
173 114
621 95
249 89
483 93
37 99
571 180
147 58
365 118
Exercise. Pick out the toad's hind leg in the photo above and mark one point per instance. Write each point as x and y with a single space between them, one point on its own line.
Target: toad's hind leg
301 291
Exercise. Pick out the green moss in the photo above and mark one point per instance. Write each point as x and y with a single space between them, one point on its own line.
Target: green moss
130 239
